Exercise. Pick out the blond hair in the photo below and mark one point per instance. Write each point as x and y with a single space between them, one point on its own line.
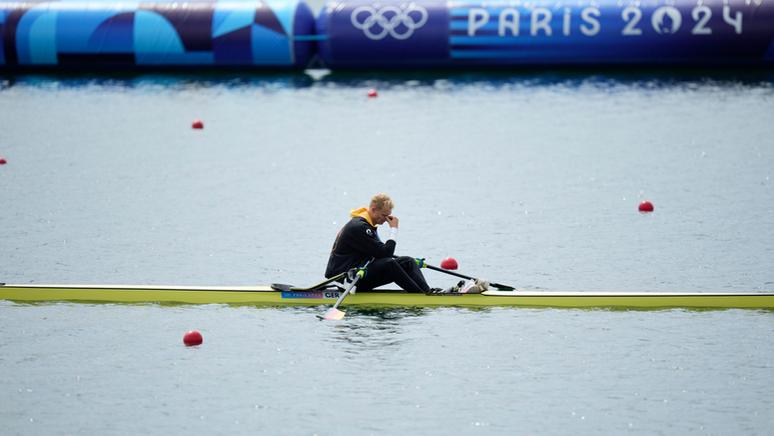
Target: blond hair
382 202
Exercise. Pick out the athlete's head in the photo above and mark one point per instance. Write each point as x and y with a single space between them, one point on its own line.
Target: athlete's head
380 208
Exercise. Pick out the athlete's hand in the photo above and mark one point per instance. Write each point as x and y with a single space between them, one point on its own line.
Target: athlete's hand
392 221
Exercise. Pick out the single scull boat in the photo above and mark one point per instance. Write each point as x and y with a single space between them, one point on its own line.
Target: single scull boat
268 296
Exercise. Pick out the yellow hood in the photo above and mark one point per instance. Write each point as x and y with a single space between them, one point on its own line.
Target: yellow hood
362 212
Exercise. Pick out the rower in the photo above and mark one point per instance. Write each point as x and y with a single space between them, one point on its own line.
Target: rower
358 241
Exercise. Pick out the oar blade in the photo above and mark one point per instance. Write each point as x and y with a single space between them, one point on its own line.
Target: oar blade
333 314
503 287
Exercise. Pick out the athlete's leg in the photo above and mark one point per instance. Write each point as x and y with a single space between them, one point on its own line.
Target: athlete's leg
388 270
409 265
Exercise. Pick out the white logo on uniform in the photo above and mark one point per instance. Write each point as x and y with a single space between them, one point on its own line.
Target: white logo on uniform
398 22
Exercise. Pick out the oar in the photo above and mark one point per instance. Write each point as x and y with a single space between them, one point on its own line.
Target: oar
283 287
334 313
463 276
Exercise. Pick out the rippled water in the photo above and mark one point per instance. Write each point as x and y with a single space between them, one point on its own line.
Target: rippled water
104 369
531 179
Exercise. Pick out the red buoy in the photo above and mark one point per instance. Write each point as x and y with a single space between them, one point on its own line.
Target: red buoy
3 161
372 93
193 338
646 206
449 263
197 124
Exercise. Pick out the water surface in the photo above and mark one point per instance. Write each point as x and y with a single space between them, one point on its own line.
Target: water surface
530 179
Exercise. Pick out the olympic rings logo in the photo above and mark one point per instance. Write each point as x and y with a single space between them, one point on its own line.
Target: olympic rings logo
398 22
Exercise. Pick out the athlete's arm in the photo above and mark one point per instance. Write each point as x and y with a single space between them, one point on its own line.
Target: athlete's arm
364 241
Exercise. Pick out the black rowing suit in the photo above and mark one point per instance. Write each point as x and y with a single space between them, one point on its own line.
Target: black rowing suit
358 242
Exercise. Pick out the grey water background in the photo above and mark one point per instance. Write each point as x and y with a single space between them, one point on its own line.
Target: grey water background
531 179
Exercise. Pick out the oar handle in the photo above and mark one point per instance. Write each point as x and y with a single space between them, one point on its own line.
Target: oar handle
358 275
422 264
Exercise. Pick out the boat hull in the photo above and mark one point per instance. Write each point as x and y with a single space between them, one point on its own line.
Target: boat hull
266 296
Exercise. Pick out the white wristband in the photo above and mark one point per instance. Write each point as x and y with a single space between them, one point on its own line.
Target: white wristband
393 234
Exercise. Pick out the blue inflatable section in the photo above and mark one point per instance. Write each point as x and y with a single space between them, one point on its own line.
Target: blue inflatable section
128 34
546 32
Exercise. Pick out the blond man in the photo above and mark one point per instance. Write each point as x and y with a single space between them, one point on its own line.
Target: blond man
358 242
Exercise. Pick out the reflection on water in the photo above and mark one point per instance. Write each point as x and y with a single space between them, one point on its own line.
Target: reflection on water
365 330
637 78
391 313
574 77
168 81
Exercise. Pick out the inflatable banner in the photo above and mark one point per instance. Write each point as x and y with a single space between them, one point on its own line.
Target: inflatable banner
546 32
126 34
384 34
